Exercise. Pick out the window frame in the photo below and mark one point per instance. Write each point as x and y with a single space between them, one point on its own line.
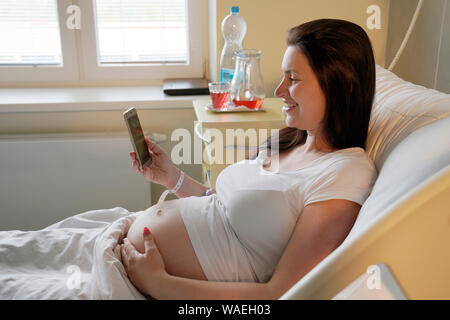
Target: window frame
94 71
66 72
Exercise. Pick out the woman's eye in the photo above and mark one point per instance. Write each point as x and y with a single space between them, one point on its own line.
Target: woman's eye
292 79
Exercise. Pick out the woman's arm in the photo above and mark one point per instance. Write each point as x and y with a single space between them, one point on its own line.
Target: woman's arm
189 187
164 172
320 229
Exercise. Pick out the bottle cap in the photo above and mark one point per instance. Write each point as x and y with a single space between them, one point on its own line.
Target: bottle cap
234 9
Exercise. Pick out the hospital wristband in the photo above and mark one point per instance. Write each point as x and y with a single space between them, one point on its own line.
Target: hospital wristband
179 183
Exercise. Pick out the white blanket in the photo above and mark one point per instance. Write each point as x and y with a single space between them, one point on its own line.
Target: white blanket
76 258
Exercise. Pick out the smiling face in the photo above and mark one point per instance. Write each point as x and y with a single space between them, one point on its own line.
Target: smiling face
301 92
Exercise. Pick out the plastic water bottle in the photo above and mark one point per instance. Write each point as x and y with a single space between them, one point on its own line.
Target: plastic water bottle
233 30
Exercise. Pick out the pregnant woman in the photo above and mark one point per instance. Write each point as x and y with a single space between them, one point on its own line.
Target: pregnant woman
274 217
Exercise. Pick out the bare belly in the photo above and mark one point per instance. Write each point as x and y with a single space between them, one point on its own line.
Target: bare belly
172 239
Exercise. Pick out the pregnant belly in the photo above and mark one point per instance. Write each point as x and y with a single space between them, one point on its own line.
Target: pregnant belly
172 240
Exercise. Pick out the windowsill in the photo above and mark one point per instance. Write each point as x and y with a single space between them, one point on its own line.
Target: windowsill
18 100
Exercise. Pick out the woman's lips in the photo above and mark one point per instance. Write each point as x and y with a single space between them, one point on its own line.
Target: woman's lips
289 108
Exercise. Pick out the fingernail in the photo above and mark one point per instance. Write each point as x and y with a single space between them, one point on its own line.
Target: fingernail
146 231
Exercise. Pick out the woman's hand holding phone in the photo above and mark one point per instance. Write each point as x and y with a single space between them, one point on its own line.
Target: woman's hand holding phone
161 170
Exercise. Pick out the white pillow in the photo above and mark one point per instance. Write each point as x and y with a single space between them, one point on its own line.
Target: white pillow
422 154
400 107
408 141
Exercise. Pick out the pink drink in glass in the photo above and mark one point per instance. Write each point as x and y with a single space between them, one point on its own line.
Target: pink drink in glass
220 99
251 104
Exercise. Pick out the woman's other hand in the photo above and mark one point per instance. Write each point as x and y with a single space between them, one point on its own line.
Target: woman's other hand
161 170
145 270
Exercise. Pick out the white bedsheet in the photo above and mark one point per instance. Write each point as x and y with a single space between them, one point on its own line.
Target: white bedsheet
76 258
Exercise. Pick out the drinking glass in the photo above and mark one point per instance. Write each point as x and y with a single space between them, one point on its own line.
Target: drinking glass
220 94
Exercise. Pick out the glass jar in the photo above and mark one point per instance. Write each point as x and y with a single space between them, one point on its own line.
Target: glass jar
247 87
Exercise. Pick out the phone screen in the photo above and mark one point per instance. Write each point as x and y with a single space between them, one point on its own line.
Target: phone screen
137 136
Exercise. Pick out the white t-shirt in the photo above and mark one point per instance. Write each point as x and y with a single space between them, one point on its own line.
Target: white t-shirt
259 209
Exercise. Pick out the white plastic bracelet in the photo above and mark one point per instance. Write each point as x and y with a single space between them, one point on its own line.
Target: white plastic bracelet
166 192
179 183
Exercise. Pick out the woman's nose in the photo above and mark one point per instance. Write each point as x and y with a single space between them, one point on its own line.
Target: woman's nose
280 91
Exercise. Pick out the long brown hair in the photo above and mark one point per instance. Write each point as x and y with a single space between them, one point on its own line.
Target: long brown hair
341 56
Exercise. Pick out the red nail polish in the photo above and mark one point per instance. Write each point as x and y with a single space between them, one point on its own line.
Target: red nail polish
146 231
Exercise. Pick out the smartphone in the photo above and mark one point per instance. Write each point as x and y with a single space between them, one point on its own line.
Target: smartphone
137 137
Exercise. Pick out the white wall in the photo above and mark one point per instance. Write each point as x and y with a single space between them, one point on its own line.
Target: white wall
426 58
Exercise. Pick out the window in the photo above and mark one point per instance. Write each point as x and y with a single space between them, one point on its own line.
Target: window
141 31
29 33
116 40
33 46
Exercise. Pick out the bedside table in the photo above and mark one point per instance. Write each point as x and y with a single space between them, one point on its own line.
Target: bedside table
230 137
